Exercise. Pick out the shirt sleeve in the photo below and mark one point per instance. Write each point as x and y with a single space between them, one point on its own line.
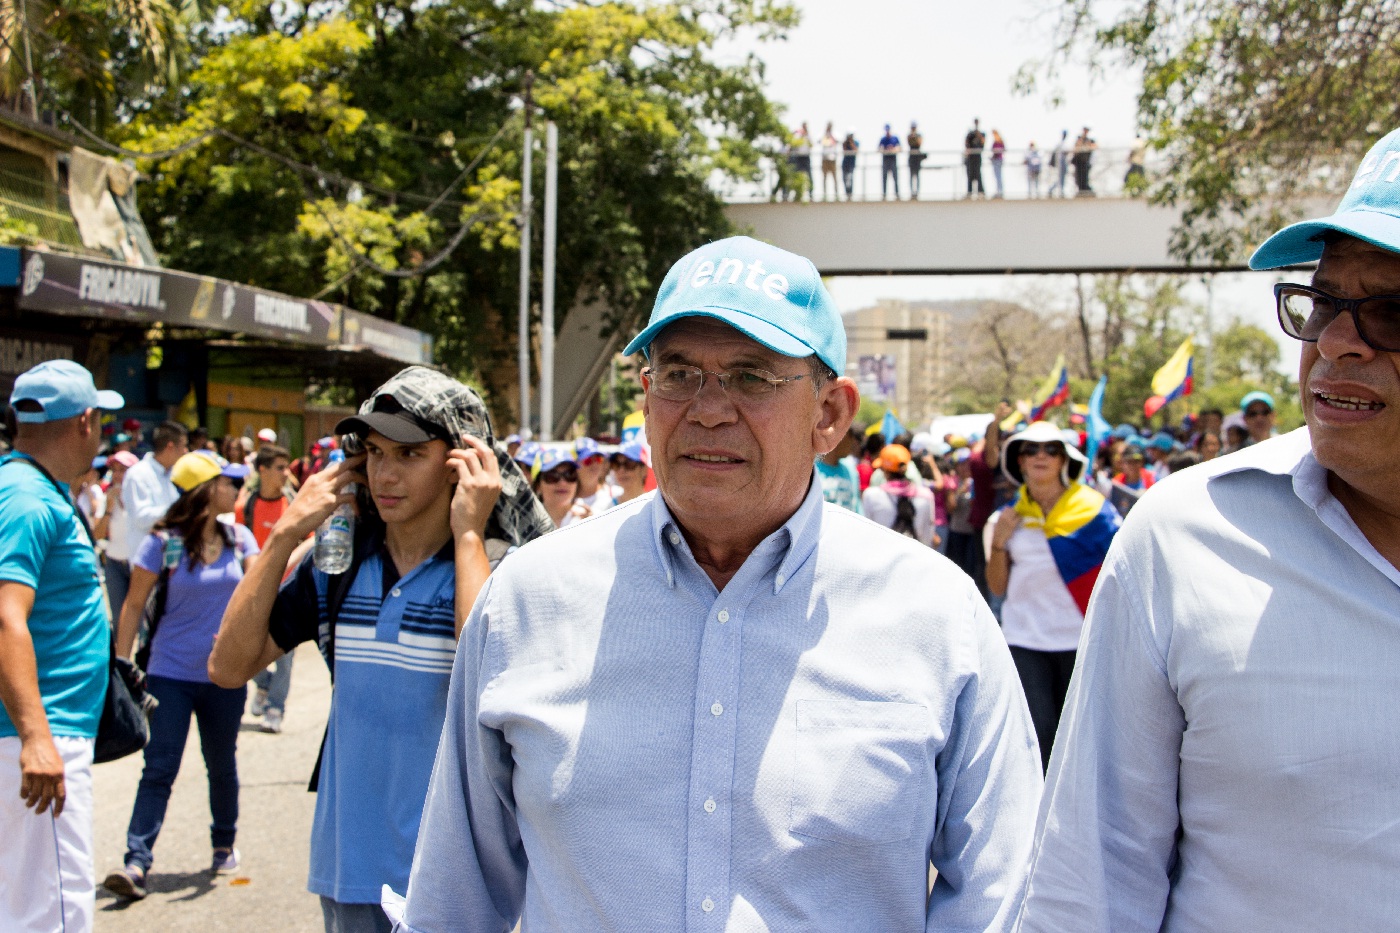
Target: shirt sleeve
141 498
246 541
1106 836
296 613
30 526
470 864
988 785
150 555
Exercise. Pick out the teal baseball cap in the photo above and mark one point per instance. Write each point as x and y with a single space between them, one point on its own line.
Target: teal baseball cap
63 389
1370 211
766 293
1256 396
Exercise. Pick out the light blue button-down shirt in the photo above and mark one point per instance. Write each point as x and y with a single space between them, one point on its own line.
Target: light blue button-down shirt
628 749
1228 758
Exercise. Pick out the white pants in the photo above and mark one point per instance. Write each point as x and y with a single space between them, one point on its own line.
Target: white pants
46 880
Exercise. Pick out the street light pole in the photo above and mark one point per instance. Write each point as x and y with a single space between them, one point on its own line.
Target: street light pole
522 350
551 209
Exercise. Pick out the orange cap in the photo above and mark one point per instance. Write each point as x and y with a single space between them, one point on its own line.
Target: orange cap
894 458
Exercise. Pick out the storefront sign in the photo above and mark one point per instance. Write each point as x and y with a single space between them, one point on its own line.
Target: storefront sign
365 332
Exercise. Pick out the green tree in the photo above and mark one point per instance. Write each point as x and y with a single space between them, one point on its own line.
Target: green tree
418 103
1254 104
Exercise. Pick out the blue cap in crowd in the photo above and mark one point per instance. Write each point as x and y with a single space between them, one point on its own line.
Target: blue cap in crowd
1162 441
1370 211
63 389
99 463
1256 396
547 458
633 450
586 447
769 294
525 453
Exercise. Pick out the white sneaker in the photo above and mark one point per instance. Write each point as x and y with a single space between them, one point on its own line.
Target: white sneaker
259 703
272 720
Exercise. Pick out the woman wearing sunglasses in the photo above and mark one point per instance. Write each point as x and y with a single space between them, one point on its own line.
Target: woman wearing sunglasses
1046 550
629 471
201 559
556 485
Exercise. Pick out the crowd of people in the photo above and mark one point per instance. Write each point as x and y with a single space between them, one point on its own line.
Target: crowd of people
1065 154
730 652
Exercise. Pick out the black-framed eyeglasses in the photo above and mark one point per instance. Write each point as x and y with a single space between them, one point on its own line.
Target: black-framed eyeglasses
1304 313
1052 449
677 383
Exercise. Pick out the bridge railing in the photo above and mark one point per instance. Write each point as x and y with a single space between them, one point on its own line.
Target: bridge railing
943 176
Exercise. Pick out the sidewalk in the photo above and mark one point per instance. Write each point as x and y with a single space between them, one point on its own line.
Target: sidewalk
274 829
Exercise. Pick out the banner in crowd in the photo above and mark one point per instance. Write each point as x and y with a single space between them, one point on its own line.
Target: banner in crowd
877 377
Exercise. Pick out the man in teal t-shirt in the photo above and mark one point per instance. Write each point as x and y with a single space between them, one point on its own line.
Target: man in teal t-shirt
837 472
54 650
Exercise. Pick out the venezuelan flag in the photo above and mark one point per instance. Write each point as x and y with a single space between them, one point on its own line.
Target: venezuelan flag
1052 392
633 425
1173 380
1079 529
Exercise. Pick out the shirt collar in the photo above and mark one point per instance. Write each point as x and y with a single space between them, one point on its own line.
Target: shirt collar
796 538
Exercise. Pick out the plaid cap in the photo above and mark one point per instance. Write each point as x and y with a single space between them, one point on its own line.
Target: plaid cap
443 401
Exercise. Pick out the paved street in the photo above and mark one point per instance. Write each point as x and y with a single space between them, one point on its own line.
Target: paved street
274 827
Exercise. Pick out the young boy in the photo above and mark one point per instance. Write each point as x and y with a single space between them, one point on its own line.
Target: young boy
443 502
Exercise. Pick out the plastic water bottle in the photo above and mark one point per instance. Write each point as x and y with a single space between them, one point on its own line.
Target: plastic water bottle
335 538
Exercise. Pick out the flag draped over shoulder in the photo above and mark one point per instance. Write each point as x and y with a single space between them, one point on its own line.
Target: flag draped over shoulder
1079 529
1052 392
1173 380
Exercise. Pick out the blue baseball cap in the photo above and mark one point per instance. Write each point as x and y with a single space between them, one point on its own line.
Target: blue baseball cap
63 389
1257 396
634 451
586 447
1162 441
1370 211
547 458
764 292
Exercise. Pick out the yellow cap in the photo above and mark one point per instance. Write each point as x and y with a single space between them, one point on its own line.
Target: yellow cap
192 469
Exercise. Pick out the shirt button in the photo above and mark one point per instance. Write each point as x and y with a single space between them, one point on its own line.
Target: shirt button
395 591
724 615
717 709
707 905
675 538
709 806
779 580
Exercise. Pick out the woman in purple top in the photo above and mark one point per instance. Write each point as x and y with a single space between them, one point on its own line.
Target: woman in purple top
202 559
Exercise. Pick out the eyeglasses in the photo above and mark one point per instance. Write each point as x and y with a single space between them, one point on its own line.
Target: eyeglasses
676 383
1052 449
1257 412
1304 313
560 475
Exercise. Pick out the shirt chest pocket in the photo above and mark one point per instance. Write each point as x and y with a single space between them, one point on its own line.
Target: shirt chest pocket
860 770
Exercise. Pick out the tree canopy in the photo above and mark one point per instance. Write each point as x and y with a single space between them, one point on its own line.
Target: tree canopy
369 151
1254 103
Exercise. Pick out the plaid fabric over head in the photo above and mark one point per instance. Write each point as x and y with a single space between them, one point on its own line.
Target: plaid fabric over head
519 517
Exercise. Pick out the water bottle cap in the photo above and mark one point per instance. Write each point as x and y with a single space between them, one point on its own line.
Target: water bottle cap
337 456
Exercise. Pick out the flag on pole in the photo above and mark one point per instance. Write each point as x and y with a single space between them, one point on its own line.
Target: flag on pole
1173 380
890 426
1052 392
1096 427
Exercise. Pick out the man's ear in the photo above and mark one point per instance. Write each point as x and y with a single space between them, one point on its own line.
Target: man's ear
836 409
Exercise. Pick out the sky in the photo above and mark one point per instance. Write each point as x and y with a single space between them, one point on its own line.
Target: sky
864 63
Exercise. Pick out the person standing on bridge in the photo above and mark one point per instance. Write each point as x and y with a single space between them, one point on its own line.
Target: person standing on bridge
916 159
998 162
850 146
1083 161
1059 160
831 148
973 144
889 163
784 712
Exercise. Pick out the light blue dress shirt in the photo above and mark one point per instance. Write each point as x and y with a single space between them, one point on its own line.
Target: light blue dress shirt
1228 757
628 749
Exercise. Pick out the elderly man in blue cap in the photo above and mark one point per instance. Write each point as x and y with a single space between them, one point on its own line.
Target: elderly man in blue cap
1228 759
730 706
54 650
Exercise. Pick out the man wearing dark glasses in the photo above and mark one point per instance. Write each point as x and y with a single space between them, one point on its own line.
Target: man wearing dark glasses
731 705
1228 755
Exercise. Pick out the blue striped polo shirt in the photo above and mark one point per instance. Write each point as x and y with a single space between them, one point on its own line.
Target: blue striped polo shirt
394 645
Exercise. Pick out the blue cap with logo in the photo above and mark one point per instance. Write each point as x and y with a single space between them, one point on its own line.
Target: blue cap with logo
634 451
550 456
767 293
586 447
63 389
1370 211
